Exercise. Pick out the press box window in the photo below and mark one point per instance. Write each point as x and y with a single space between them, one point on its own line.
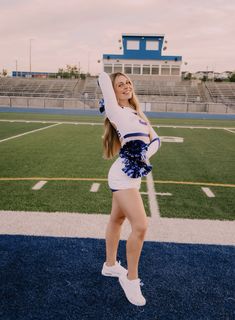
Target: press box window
136 69
152 45
117 68
155 69
175 71
133 45
146 69
128 69
165 70
108 68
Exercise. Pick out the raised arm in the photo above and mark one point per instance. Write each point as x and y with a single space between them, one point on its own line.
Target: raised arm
112 109
154 145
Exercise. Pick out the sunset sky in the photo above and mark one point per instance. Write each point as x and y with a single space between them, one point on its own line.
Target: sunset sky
80 31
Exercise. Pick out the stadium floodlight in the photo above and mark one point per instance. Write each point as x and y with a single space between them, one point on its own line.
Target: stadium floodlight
16 62
30 54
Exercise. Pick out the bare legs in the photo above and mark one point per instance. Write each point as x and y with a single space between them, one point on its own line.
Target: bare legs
126 204
113 231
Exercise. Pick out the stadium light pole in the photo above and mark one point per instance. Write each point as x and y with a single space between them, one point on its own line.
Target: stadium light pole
30 54
16 67
88 62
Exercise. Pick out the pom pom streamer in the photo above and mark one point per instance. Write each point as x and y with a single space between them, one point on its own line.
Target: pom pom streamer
133 155
102 107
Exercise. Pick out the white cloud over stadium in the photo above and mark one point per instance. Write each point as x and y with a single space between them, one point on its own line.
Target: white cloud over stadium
80 31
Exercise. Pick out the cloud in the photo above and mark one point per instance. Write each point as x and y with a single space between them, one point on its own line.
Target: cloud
81 30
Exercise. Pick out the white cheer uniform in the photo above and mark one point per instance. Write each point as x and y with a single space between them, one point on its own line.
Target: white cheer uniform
129 126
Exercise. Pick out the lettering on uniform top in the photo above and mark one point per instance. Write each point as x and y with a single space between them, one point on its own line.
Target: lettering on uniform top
143 122
118 133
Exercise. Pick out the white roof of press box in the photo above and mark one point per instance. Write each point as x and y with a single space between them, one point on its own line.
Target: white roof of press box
143 34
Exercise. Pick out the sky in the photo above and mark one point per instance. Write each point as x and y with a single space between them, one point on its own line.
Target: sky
78 32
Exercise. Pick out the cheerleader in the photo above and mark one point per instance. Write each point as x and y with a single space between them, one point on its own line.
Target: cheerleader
128 133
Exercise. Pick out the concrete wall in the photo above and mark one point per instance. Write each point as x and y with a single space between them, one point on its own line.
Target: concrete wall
87 104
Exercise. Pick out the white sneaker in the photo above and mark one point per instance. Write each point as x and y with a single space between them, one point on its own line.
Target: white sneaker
132 290
114 271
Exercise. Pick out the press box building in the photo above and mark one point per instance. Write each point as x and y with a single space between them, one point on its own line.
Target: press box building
142 56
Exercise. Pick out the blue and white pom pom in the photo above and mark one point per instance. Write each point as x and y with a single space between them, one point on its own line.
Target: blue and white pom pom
133 155
102 107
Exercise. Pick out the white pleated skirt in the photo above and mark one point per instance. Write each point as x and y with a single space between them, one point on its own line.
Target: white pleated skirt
119 180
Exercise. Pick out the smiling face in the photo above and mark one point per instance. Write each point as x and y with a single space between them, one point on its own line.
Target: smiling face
123 89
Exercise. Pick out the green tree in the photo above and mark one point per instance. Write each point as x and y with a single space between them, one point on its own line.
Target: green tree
232 78
4 72
70 71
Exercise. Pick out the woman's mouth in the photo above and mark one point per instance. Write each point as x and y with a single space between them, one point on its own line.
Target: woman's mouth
127 91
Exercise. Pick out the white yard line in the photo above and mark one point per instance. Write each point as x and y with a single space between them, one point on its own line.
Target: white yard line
189 127
101 123
230 130
58 122
158 193
95 187
28 132
208 192
39 185
153 204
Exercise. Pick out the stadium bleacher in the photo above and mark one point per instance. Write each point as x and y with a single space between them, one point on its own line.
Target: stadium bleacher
88 89
221 92
54 88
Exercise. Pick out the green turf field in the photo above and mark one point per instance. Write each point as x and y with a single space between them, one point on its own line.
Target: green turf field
69 157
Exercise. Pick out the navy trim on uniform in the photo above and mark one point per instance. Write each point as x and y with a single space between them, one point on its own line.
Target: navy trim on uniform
143 122
156 139
113 190
135 134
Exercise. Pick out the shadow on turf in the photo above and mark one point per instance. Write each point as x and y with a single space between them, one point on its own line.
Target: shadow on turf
59 278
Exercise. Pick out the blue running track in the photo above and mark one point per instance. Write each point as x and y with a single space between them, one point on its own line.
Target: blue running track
45 278
175 115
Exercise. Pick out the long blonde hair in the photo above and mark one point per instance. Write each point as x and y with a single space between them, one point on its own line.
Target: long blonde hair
111 142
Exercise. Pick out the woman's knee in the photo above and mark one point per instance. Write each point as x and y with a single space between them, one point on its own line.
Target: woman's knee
118 220
140 228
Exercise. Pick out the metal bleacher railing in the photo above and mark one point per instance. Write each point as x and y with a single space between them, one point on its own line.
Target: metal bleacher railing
154 95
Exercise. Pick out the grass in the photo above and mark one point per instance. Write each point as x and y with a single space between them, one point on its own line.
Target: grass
191 202
8 129
74 151
64 196
204 156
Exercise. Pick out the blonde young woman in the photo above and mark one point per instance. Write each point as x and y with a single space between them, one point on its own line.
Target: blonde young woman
129 134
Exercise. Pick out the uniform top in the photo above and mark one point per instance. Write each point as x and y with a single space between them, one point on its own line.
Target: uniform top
129 125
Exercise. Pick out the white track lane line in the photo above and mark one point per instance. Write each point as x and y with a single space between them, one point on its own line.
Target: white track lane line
208 192
39 185
28 132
